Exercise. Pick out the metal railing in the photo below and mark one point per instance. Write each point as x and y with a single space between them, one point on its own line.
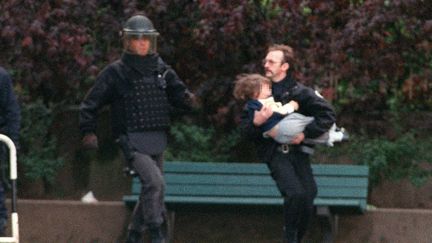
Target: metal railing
13 177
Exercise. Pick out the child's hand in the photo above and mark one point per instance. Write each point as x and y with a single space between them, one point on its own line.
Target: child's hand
262 115
294 104
298 138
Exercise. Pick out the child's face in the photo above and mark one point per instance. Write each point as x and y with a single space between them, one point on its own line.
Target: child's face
265 91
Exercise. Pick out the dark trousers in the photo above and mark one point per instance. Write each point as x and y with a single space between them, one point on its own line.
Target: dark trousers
150 210
293 175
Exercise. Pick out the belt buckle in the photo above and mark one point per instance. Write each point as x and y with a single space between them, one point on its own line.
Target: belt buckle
285 148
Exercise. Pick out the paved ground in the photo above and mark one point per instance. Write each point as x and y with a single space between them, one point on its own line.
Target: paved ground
44 221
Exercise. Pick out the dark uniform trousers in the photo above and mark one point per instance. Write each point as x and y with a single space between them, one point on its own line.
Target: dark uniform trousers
292 173
150 210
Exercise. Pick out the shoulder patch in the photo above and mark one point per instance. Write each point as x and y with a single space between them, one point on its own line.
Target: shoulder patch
318 94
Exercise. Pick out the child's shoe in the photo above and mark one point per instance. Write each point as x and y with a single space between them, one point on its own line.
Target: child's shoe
337 134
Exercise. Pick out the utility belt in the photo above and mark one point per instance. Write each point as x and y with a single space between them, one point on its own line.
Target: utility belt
286 148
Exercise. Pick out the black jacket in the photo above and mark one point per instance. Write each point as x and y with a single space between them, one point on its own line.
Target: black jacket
310 104
10 113
111 83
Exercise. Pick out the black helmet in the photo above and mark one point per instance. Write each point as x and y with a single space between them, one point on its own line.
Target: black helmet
139 25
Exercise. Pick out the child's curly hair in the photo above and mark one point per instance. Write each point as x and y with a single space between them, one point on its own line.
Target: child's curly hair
248 86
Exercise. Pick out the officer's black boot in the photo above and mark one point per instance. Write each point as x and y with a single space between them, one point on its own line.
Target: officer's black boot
134 237
157 235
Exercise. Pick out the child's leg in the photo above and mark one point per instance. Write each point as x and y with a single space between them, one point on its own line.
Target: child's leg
290 126
333 135
295 123
323 139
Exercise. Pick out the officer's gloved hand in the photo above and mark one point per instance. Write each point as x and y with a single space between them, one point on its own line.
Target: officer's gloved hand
129 171
194 101
90 141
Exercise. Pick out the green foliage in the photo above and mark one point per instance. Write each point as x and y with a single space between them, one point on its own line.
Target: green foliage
193 143
52 45
62 45
404 157
39 156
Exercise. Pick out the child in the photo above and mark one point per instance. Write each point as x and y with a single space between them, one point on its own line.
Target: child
284 124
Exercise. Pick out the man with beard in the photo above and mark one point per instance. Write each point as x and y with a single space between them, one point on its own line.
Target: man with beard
289 163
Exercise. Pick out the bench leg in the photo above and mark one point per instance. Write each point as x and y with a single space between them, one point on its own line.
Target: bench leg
329 224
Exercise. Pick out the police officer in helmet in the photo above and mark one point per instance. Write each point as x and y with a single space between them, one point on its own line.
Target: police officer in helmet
140 89
140 27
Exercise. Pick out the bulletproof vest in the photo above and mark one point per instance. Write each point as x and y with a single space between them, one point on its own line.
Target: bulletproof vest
145 102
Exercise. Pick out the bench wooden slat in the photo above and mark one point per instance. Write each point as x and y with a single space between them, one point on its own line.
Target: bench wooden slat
131 199
224 200
343 192
339 202
342 181
213 167
246 201
260 168
322 182
344 170
258 191
220 190
359 192
175 178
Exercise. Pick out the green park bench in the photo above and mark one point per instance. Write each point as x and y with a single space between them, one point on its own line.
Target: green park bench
342 189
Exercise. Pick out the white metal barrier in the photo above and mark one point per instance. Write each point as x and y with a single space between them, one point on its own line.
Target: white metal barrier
13 177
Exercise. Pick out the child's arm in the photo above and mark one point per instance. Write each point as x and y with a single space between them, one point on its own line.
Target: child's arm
294 104
288 108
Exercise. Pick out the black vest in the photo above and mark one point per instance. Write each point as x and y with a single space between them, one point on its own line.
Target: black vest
144 98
